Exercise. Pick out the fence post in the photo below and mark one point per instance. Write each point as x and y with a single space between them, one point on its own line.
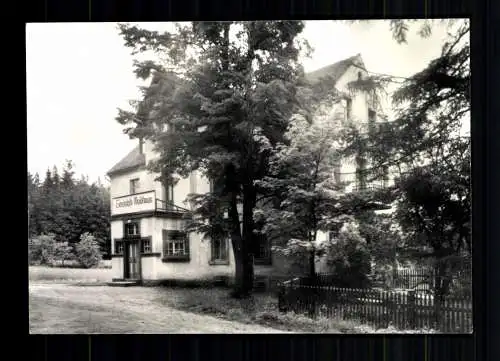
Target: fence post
412 309
281 298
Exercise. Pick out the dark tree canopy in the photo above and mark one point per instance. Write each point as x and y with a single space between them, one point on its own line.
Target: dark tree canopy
221 96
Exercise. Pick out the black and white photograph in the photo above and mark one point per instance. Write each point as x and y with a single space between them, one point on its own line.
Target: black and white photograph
249 177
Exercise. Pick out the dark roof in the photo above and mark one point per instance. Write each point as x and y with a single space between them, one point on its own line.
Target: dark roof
335 70
131 161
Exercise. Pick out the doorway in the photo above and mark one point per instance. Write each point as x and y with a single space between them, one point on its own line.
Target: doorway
131 259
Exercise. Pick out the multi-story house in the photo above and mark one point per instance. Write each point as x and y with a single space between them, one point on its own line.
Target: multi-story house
148 219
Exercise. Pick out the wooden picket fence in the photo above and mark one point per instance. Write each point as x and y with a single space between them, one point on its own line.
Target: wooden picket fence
413 278
403 310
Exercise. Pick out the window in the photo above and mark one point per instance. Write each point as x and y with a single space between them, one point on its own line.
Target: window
118 246
360 179
211 185
372 116
169 193
337 174
348 108
333 234
134 186
219 251
146 245
361 173
262 250
132 229
385 175
175 245
193 182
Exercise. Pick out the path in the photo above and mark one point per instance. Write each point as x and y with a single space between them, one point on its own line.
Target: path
65 308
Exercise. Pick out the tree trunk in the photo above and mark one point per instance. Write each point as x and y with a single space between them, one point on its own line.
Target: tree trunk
441 288
237 243
312 264
249 200
242 242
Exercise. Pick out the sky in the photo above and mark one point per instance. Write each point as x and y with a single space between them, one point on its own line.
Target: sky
78 74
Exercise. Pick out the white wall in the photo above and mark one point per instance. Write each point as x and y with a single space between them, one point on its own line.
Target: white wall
200 254
120 184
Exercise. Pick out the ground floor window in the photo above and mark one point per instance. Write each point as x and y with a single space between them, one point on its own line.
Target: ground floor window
262 250
219 250
175 245
118 246
333 234
146 245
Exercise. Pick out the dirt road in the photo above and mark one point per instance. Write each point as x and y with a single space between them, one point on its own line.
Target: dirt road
66 308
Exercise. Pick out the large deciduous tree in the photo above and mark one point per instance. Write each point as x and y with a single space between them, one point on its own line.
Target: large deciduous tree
221 98
307 198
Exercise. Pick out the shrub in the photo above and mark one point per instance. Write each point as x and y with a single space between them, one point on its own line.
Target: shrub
349 259
42 250
88 252
63 252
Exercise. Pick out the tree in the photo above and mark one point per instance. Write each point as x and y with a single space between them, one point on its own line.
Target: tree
47 212
219 102
425 144
301 175
33 204
88 251
68 208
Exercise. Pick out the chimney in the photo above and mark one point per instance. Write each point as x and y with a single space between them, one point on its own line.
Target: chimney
141 146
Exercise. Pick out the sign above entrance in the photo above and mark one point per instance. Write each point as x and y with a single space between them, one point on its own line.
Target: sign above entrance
135 203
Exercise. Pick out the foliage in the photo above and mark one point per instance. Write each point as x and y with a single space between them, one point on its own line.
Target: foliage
67 207
88 252
307 199
349 258
63 252
219 100
42 249
426 148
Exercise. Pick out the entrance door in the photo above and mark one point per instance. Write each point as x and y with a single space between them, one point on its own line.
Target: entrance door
133 260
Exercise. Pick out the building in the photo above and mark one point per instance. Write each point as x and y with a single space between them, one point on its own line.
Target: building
148 220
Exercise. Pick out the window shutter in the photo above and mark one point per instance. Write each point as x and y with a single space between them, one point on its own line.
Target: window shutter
186 238
165 240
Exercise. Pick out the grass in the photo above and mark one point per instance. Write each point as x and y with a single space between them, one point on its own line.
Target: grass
69 275
261 309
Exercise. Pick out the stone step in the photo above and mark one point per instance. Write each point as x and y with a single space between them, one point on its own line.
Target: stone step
124 283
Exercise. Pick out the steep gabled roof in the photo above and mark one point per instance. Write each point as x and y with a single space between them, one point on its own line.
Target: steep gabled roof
131 161
335 70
